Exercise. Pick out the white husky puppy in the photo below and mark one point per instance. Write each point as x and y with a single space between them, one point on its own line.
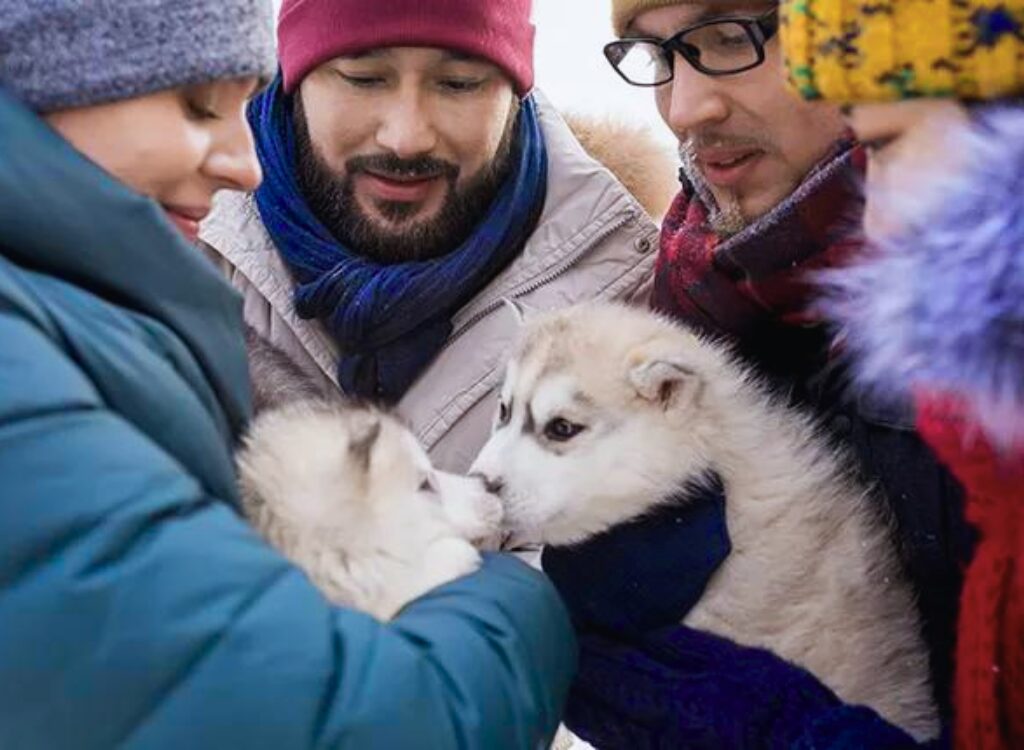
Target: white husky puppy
350 497
607 411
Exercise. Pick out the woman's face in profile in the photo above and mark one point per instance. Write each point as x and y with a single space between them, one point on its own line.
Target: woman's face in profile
908 149
177 146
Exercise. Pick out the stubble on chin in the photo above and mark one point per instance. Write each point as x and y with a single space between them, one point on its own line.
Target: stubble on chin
725 213
729 219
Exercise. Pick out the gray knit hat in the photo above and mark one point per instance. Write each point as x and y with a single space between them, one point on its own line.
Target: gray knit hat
57 54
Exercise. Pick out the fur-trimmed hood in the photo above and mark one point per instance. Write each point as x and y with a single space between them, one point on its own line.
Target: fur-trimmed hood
646 168
942 305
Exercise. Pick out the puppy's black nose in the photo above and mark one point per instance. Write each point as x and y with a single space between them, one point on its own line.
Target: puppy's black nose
494 486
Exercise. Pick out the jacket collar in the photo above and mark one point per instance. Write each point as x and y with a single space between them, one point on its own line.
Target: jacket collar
826 208
756 288
62 215
760 276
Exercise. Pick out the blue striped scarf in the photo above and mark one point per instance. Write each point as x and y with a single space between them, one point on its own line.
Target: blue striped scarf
390 320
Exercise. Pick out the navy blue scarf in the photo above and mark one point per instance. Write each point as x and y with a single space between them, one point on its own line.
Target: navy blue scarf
389 320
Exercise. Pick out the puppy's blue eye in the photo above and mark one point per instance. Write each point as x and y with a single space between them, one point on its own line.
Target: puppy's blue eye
561 430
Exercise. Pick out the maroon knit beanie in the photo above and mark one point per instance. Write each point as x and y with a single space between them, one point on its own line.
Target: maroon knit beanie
311 32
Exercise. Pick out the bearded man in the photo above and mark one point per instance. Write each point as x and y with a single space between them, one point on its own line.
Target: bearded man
413 181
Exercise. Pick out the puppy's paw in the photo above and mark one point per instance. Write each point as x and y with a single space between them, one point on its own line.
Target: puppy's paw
448 559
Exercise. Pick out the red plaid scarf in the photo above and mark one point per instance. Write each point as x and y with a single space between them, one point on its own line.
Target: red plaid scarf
989 688
757 280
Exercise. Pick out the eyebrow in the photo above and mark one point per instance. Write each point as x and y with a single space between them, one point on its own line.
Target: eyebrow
457 56
579 398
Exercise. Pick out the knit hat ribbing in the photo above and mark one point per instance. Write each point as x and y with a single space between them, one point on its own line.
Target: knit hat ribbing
857 51
311 32
624 11
58 54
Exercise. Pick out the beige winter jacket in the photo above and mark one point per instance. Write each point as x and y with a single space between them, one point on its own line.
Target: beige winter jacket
593 240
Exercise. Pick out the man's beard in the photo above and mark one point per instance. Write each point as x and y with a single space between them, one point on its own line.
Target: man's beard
331 197
725 216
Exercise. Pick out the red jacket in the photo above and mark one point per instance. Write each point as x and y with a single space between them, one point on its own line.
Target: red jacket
989 689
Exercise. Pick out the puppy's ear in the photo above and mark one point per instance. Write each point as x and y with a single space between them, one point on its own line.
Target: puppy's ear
360 447
666 382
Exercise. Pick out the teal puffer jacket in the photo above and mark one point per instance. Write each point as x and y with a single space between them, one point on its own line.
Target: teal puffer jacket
136 608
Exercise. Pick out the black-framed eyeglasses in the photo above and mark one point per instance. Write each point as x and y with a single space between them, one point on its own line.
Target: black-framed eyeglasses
718 47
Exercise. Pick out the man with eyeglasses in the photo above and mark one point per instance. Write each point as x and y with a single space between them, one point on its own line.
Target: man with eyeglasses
770 196
713 68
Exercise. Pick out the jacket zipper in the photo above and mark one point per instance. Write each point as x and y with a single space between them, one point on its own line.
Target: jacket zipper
544 279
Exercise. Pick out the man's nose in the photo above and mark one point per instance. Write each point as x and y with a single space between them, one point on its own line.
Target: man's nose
695 100
406 128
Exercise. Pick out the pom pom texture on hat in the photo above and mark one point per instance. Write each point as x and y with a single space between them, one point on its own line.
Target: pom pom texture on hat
886 50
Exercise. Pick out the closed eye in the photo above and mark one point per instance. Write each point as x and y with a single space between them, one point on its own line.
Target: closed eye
197 111
362 82
460 85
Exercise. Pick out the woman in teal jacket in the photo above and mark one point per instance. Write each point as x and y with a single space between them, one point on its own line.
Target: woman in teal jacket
136 608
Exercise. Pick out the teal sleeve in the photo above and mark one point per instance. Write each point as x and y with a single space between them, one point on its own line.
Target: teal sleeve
138 611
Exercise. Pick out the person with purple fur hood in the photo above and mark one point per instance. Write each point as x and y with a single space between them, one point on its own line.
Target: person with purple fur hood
935 308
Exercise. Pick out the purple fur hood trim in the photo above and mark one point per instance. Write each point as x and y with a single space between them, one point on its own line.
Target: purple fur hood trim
942 305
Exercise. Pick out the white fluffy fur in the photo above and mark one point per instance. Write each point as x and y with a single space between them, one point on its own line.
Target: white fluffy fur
812 575
350 497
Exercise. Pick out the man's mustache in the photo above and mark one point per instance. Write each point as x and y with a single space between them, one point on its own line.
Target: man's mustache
689 147
389 165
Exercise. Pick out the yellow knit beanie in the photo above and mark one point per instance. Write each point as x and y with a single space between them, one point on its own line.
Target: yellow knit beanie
883 50
624 11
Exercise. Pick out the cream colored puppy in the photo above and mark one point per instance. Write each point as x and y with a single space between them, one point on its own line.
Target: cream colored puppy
349 496
607 411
